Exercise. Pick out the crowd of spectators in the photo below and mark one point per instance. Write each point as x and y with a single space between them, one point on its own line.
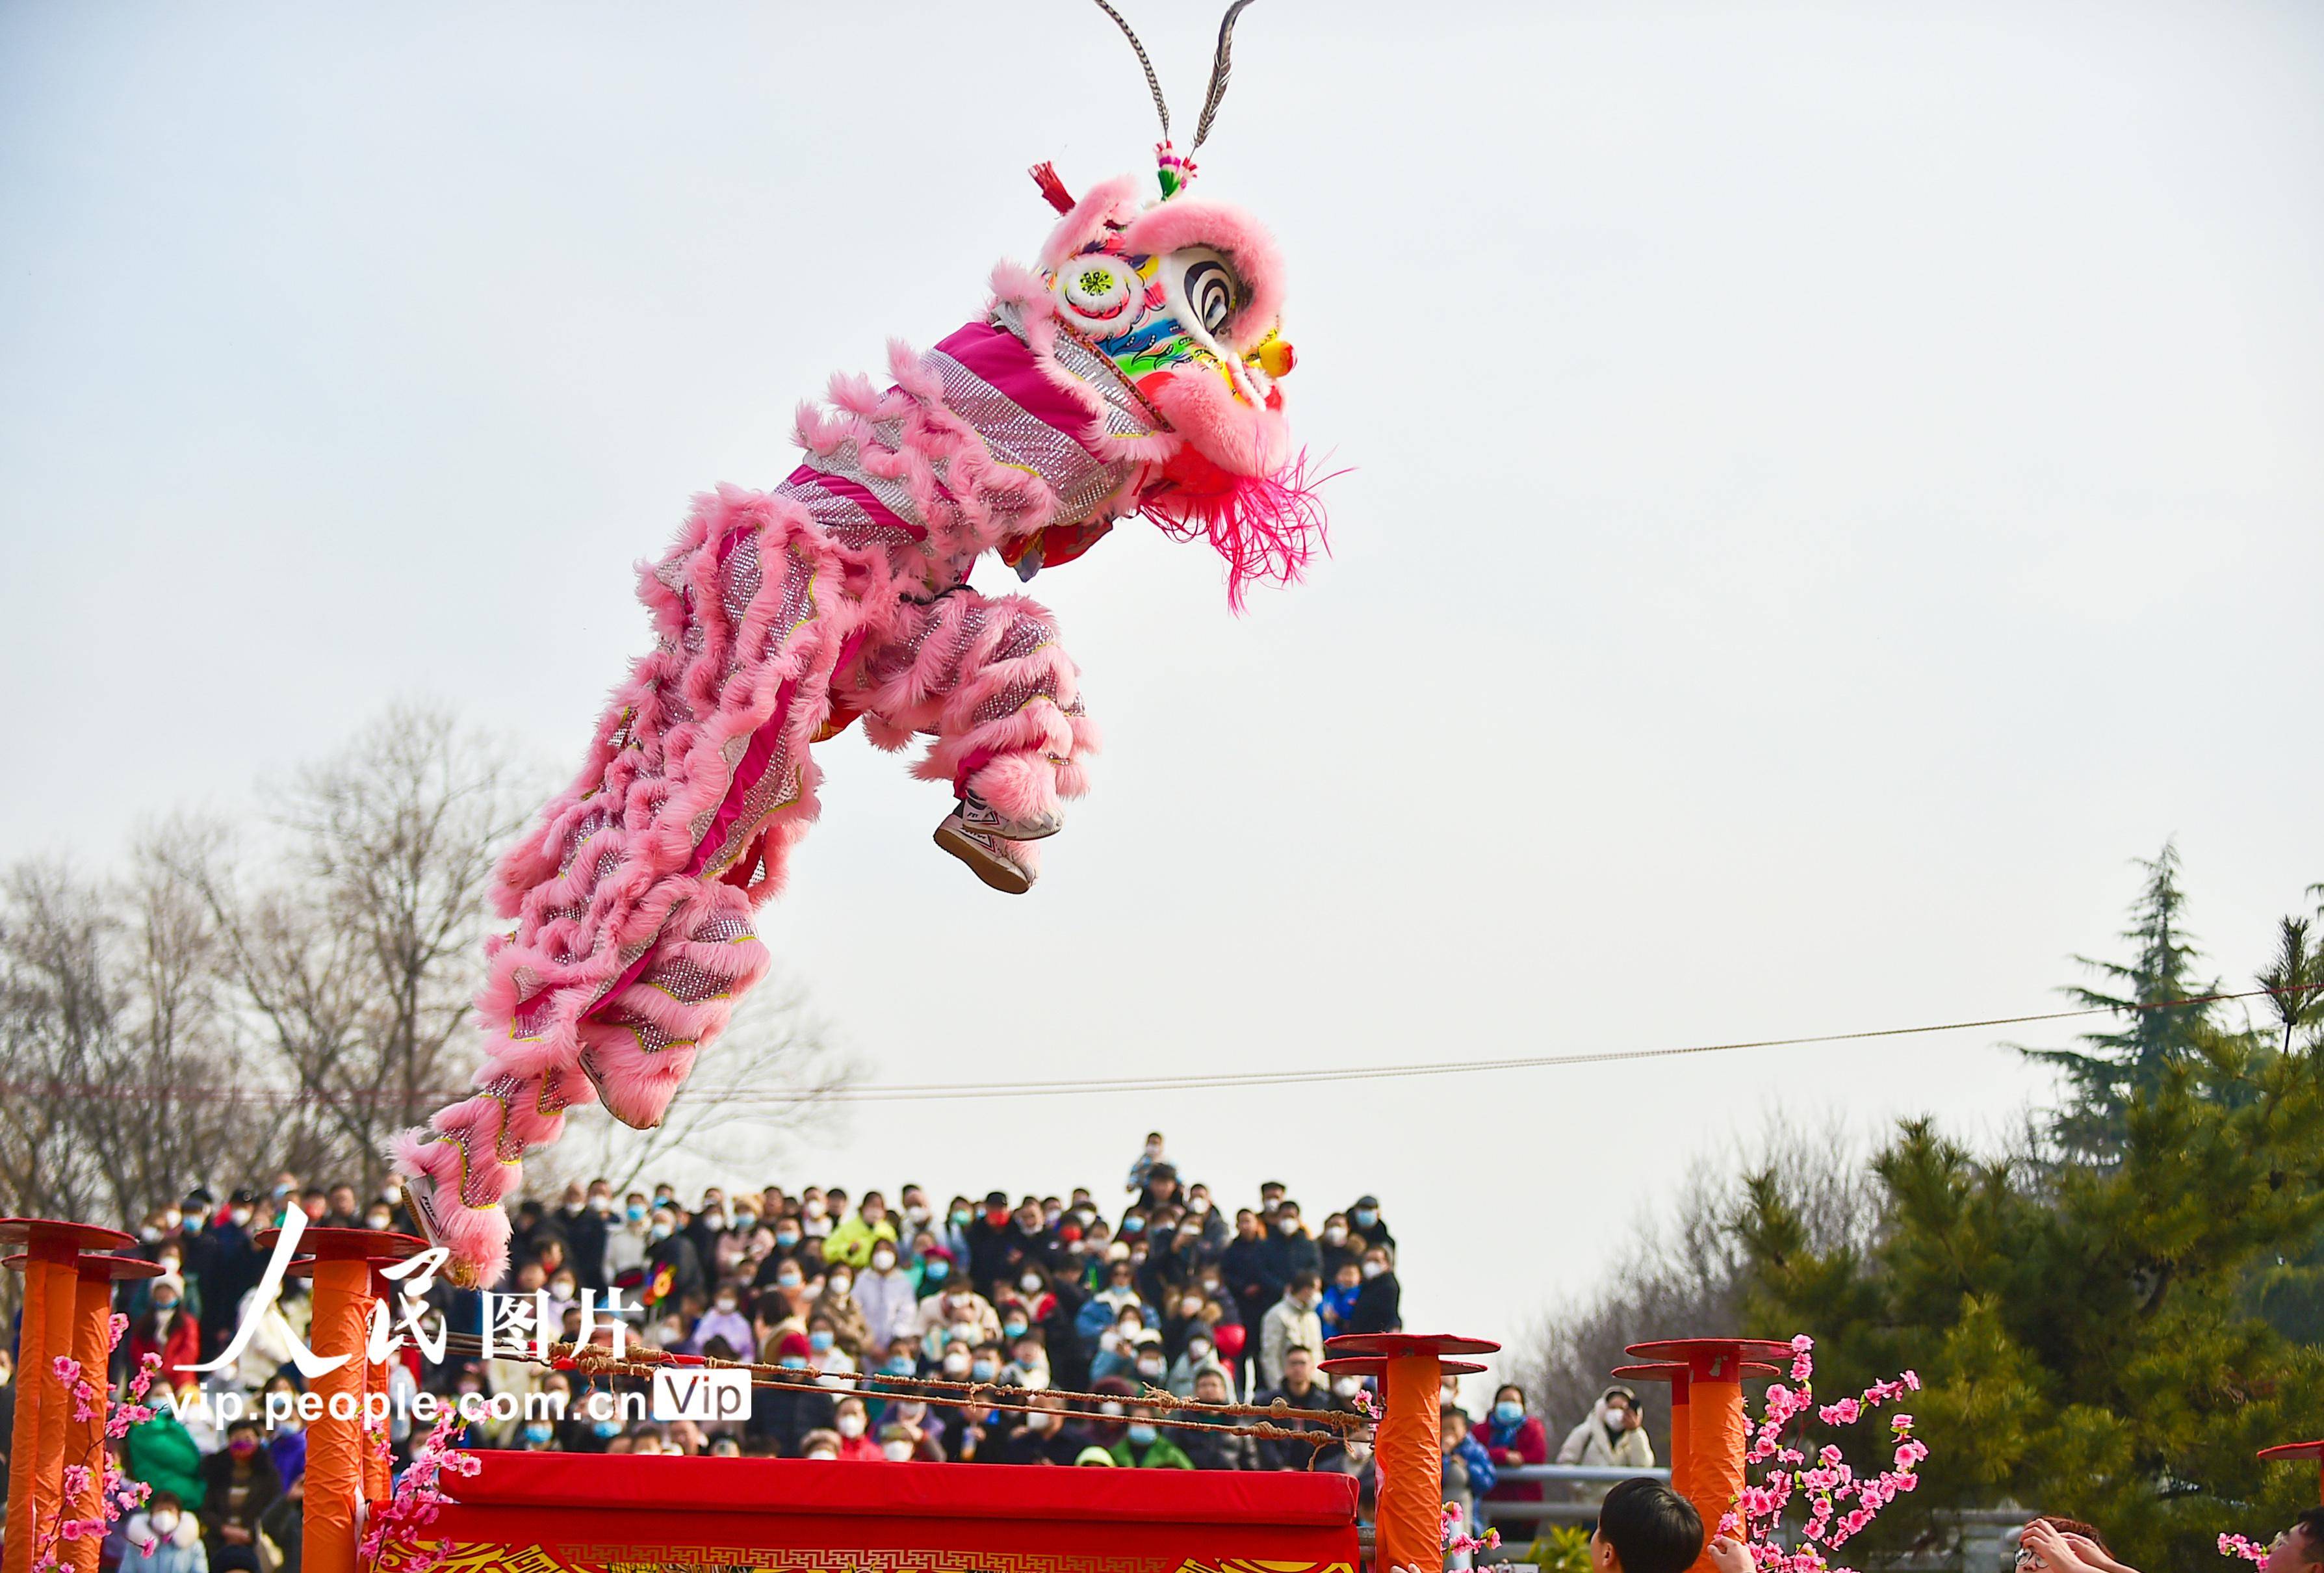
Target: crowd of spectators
1166 1287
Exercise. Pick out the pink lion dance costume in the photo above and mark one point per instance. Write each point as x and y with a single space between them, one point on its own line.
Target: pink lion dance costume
1133 371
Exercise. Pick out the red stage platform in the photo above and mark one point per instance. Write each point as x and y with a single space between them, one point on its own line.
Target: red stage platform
566 1513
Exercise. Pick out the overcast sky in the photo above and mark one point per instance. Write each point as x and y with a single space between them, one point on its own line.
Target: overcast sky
1830 485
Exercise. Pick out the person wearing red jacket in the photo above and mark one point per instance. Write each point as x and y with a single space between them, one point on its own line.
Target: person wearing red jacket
1514 1437
165 1329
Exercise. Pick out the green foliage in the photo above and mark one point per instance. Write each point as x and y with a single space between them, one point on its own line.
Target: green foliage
1566 1548
2088 1322
2157 1031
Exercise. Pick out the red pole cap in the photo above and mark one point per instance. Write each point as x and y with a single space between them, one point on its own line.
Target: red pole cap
1397 1346
348 1244
1713 1359
97 1269
54 1240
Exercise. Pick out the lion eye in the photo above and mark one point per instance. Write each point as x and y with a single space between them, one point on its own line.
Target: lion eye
1210 294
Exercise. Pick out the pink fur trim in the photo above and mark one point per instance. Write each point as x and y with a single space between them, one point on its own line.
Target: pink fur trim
1190 221
1113 201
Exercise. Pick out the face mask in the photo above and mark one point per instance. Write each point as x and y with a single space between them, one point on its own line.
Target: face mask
1508 1413
917 1213
1029 1284
1366 1217
164 1521
850 1425
882 1260
1197 1351
1374 1269
792 1363
746 1220
813 1210
726 1302
901 1366
564 1289
818 1342
983 1371
938 1271
242 1446
1040 1420
164 1307
240 1216
537 1431
838 1285
1190 1307
607 1428
1287 1226
959 1217
1347 1386
636 1212
1335 1235
601 1204
896 1452
788 1278
1133 1225
1141 1436
955 1365
150 1232
1014 1327
787 1238
660 1231
1149 1366
824 1453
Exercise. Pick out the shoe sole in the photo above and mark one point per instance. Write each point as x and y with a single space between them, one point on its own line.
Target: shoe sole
997 871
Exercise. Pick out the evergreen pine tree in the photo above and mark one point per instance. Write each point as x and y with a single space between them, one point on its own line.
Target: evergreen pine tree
2157 1030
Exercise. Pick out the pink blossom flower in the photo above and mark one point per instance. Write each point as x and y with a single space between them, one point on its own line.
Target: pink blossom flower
1900 1422
1911 1379
76 1480
67 1368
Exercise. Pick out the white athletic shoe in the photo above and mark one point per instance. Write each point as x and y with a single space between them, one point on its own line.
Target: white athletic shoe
986 854
986 820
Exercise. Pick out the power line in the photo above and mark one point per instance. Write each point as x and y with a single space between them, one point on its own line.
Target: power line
913 1092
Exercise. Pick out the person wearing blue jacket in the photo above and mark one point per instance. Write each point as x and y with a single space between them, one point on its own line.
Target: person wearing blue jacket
1469 1471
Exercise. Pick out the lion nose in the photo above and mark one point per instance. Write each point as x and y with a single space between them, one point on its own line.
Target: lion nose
1276 357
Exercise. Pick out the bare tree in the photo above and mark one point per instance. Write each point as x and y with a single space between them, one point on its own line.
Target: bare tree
288 994
1681 1275
769 1076
123 1085
352 960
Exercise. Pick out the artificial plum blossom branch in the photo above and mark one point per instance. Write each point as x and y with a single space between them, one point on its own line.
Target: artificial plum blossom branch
1830 1483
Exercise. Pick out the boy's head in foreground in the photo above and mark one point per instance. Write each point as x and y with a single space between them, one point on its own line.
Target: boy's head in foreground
1645 1527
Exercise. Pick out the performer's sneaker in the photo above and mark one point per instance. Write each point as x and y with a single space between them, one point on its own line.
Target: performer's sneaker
986 854
986 820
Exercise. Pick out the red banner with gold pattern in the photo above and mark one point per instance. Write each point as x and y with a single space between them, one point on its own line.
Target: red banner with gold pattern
552 1513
